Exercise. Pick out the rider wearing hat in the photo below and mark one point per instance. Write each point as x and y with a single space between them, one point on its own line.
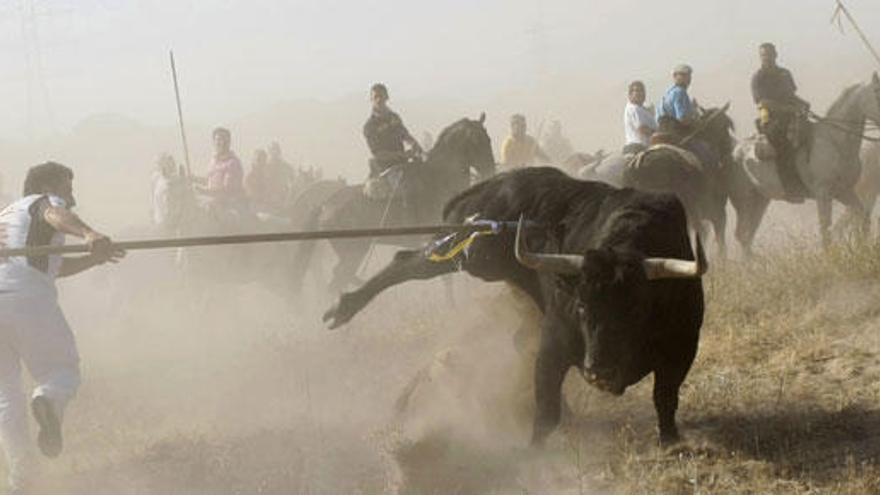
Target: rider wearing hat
677 108
677 118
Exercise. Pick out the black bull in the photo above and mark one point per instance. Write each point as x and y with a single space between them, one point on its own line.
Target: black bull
621 298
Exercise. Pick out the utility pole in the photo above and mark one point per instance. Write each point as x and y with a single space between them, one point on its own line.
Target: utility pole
40 118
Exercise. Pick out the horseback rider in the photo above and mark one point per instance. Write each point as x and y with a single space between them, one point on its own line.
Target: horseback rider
677 110
386 135
224 183
638 121
781 115
520 149
677 118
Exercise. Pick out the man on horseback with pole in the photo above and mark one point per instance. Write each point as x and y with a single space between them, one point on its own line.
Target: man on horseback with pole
224 183
33 330
782 117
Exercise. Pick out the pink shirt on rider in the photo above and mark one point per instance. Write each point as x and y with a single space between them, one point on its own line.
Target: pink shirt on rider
226 176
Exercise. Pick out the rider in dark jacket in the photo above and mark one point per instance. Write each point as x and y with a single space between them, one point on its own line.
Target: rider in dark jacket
386 135
781 112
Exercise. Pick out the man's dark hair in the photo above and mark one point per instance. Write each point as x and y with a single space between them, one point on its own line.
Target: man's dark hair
768 46
380 88
45 175
222 131
636 84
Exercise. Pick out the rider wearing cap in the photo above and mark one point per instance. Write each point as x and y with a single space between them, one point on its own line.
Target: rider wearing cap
677 116
677 105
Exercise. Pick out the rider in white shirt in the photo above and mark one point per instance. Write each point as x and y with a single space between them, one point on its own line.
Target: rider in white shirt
638 121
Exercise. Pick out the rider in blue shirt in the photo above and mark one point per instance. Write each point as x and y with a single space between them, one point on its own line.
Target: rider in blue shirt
676 102
677 114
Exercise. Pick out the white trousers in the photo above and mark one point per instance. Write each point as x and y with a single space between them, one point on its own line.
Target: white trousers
33 332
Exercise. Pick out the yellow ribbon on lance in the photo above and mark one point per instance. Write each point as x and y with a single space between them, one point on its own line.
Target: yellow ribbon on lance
458 248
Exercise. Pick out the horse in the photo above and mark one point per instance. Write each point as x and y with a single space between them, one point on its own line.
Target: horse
828 165
699 186
178 212
418 199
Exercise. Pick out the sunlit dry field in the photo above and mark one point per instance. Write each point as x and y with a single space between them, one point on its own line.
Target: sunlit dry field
228 390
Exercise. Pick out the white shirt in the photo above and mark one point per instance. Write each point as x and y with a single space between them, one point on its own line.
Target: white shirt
24 226
635 117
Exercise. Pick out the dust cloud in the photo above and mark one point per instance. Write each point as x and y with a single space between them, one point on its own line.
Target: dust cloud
199 388
195 387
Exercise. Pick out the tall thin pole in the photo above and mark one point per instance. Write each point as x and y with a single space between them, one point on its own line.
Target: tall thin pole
842 9
180 116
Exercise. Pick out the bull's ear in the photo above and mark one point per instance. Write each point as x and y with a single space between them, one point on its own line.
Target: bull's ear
482 119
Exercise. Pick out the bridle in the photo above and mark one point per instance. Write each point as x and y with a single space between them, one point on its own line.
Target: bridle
850 127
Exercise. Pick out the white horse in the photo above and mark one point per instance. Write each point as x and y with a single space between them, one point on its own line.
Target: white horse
829 165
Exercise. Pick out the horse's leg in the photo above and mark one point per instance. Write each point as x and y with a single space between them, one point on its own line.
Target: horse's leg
749 214
406 265
856 210
823 206
719 225
350 254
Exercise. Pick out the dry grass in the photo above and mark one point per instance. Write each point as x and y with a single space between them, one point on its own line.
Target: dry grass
784 396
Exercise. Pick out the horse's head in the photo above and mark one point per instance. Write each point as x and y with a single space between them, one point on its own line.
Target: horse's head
466 143
170 196
872 99
718 130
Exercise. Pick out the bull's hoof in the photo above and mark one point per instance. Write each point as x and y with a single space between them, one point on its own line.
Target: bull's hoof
340 314
669 438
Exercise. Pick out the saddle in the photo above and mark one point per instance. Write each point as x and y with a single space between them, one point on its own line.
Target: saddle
686 156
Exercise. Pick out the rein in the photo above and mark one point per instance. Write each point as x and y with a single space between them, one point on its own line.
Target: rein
847 126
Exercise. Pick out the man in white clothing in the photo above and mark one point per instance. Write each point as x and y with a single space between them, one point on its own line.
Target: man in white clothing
33 330
638 121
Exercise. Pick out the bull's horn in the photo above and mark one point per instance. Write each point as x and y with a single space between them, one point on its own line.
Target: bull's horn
660 268
566 264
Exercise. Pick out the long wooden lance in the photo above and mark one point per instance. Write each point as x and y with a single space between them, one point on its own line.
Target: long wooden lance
479 227
841 9
180 115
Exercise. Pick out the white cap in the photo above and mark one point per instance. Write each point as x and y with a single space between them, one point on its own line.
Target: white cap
682 69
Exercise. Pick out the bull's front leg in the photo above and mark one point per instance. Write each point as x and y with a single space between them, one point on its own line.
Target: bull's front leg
666 386
407 265
550 369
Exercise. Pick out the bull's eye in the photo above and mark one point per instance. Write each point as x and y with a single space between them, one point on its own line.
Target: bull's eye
581 311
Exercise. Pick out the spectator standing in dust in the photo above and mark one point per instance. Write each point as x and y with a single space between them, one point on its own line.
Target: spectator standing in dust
33 330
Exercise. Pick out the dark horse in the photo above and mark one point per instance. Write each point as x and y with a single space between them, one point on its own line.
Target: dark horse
700 187
462 147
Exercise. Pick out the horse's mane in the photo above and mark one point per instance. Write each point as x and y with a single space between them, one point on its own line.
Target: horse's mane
728 122
843 98
445 136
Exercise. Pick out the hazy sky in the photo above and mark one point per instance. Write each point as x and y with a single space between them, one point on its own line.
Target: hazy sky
238 57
